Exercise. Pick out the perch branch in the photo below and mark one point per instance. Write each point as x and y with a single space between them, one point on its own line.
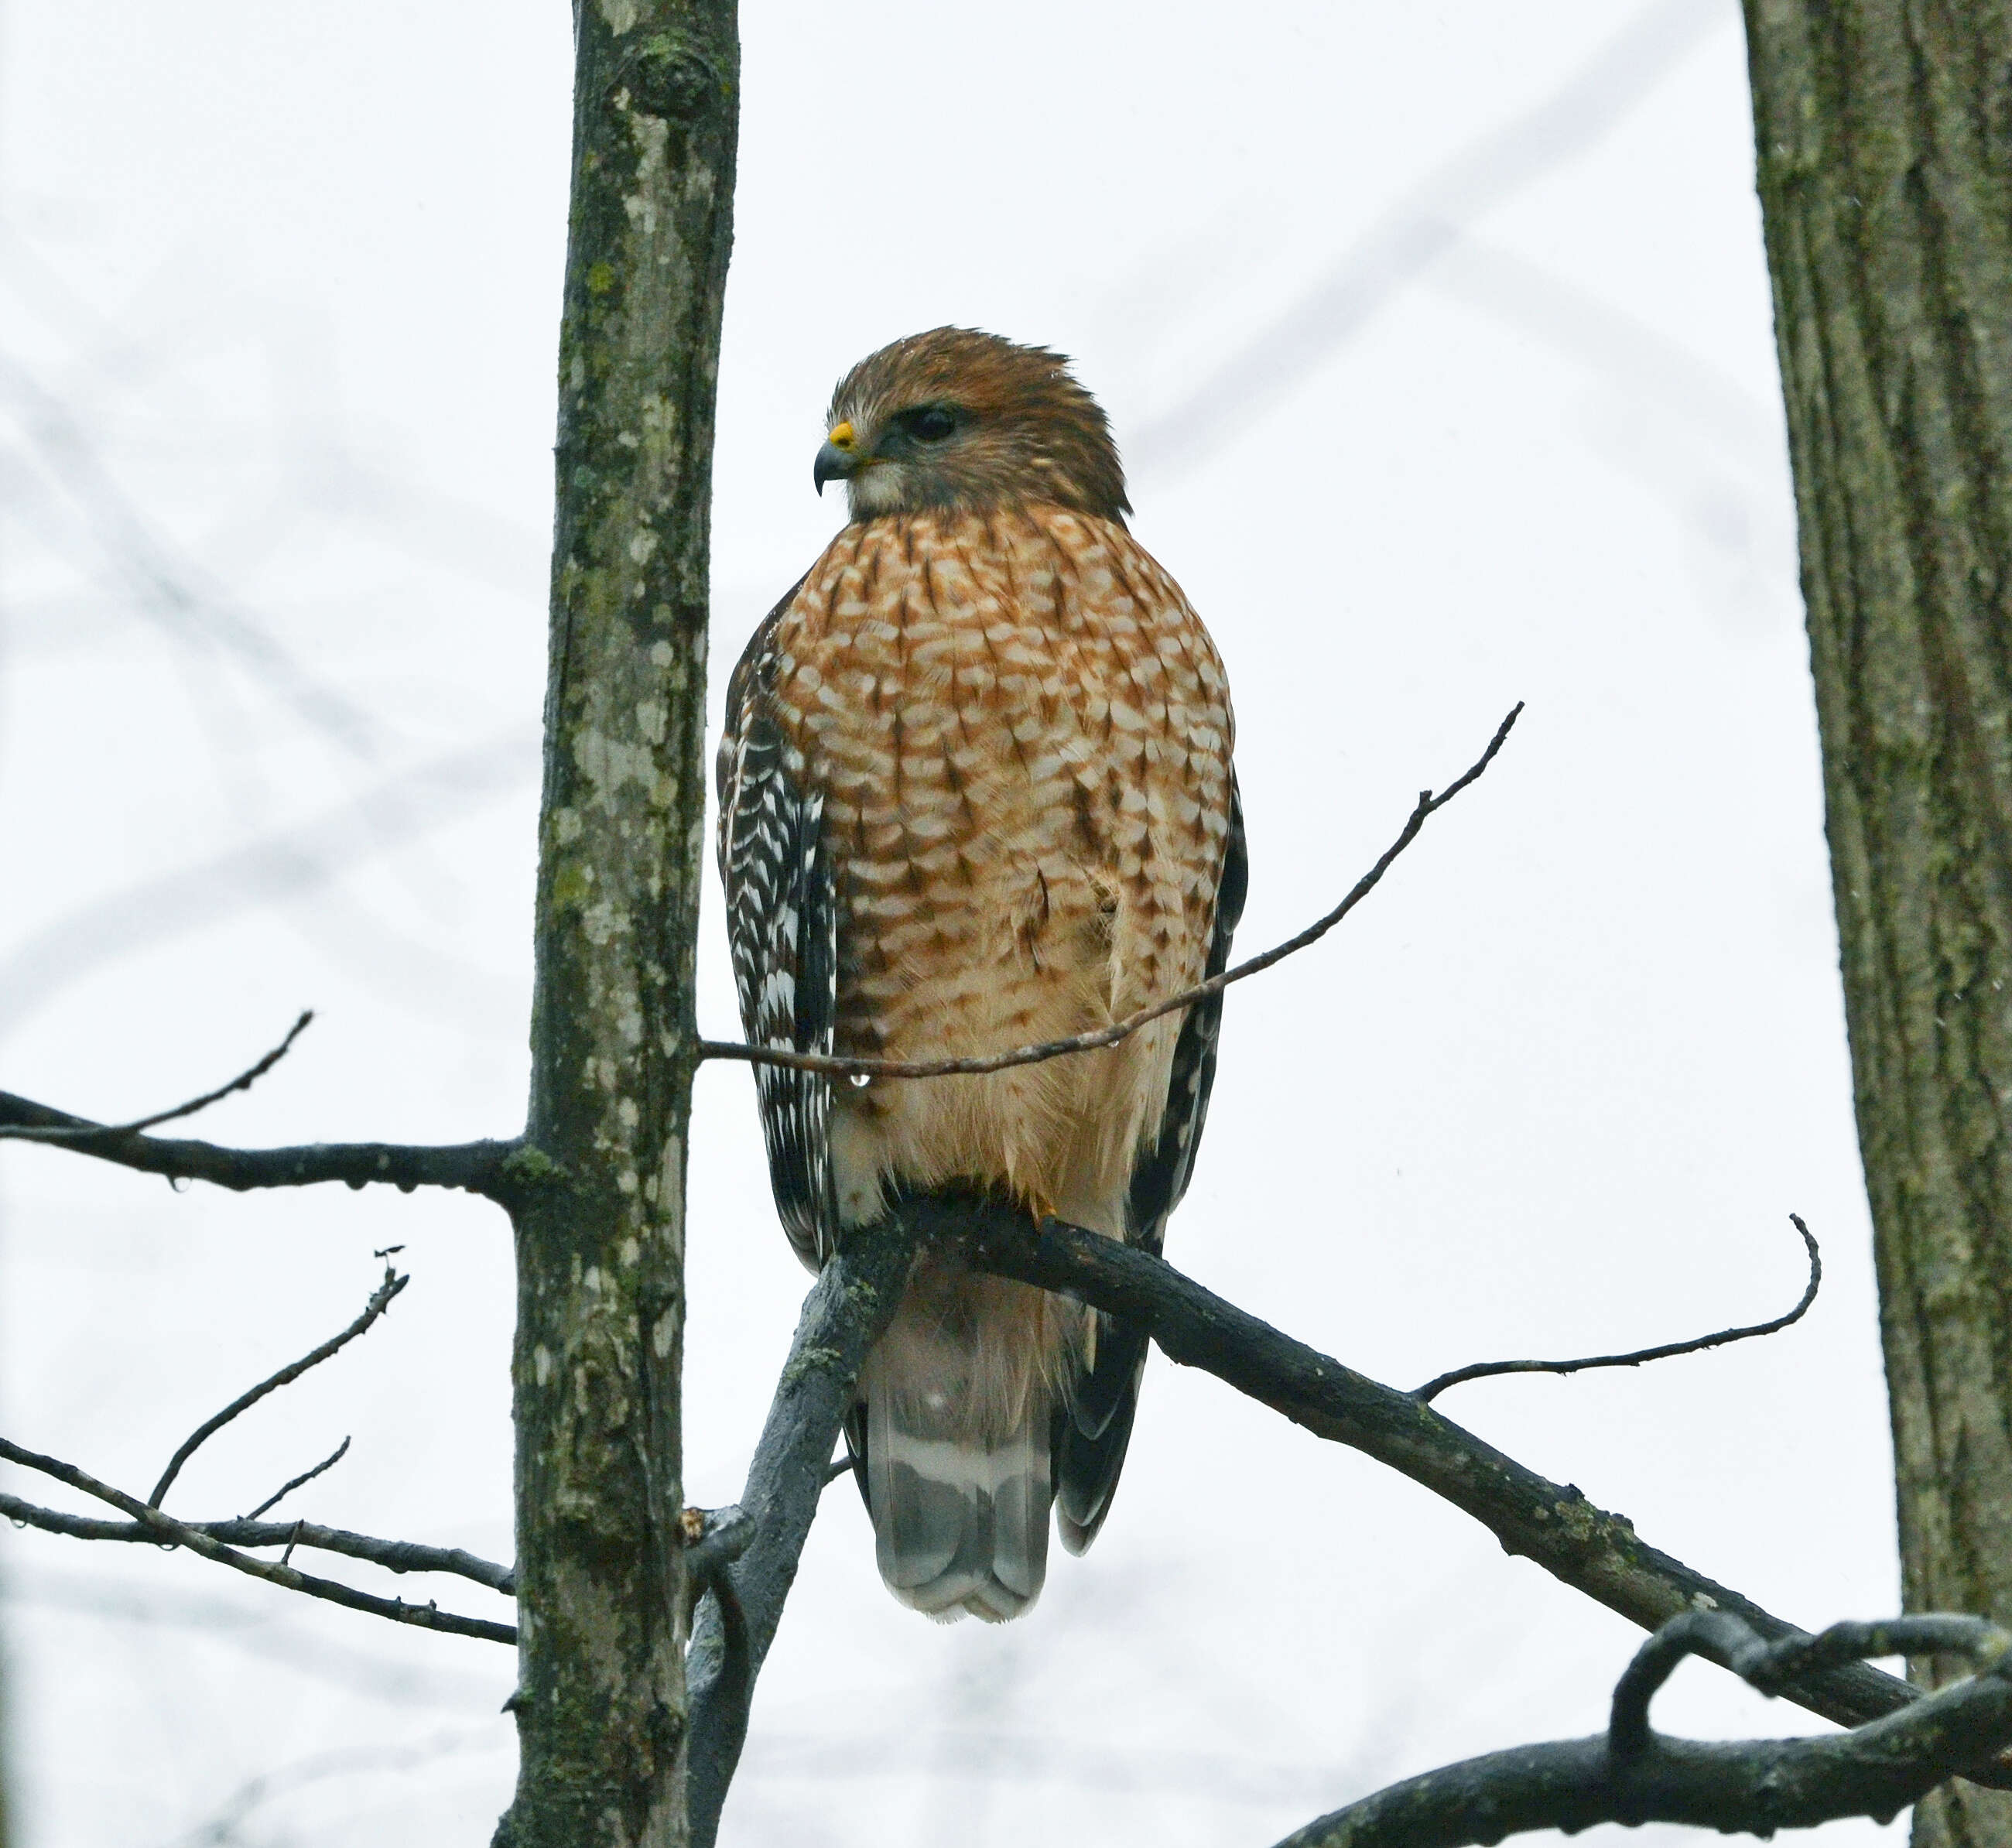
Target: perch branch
1427 805
243 1082
1631 1774
1488 1369
1552 1524
380 1302
847 1308
164 1527
479 1167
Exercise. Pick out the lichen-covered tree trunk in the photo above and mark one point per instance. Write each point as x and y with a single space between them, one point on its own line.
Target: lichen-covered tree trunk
1883 133
6 1766
600 1186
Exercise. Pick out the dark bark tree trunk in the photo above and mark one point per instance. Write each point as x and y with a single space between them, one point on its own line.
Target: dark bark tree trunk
599 1190
1883 133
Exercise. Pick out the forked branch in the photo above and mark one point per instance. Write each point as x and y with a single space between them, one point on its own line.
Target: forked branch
393 1555
1594 1552
848 1307
164 1527
220 1540
1631 1774
1552 1524
380 1302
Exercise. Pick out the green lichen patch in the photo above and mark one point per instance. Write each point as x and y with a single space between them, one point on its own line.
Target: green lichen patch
530 1166
808 1362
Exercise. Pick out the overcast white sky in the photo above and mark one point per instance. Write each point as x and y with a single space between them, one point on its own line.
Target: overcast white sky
1437 337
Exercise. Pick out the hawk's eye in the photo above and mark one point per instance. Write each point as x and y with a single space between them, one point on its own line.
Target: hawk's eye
931 424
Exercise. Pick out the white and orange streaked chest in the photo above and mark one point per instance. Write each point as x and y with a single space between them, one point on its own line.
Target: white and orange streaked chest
1022 732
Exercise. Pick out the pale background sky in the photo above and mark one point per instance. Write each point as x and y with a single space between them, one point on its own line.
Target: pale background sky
1428 413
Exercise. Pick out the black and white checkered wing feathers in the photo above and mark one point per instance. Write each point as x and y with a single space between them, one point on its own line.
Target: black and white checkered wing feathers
782 927
1091 1436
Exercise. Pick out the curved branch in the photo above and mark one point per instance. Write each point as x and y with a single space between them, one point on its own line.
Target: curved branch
472 1167
1669 1350
1552 1524
1427 805
165 1528
1631 1774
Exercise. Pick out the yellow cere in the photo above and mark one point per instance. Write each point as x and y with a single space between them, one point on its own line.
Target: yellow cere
841 437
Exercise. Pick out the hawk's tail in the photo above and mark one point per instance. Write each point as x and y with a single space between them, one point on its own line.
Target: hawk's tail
960 1521
1092 1431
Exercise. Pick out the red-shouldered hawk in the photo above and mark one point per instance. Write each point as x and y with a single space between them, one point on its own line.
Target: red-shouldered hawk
975 792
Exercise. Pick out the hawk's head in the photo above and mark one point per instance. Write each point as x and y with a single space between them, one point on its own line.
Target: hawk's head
955 418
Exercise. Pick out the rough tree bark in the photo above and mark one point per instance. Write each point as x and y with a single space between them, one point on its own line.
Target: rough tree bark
598 1190
1884 132
6 1824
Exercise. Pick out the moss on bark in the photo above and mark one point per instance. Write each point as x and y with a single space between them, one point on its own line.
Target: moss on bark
1884 133
601 1705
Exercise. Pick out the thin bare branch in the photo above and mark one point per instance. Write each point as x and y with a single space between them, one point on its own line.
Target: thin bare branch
380 1300
299 1482
1427 805
481 1168
1631 1774
1552 1524
1488 1369
243 1082
393 1555
165 1528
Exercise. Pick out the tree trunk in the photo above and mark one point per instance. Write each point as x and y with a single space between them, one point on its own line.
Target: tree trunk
6 1764
599 1211
1883 133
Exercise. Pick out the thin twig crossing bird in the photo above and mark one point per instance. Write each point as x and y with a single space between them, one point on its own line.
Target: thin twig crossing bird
975 792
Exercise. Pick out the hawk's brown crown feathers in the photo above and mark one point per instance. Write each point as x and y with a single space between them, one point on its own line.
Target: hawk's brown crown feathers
960 420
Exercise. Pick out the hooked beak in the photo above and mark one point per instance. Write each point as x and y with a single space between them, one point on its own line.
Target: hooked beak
840 458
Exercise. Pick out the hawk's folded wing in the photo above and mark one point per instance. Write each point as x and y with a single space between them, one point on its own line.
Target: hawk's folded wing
1091 1436
782 928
